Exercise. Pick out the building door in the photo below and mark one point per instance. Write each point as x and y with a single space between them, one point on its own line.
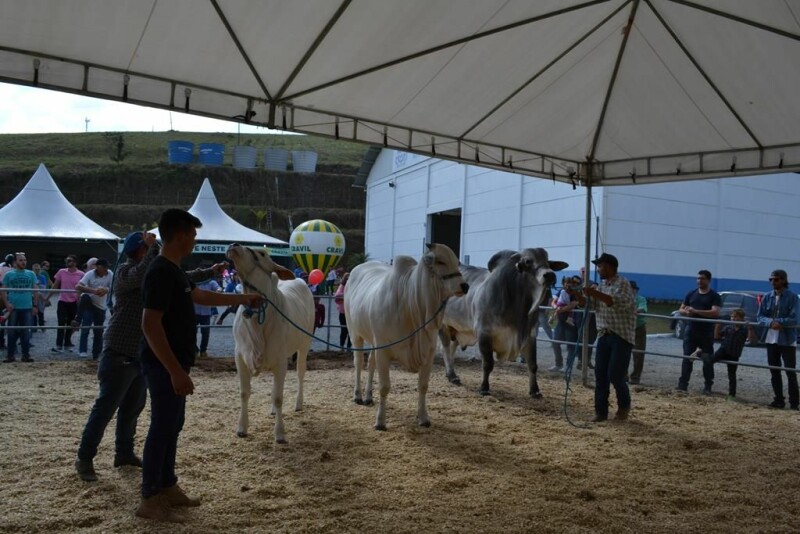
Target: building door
445 228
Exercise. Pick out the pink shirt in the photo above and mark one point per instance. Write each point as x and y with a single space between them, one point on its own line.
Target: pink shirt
68 281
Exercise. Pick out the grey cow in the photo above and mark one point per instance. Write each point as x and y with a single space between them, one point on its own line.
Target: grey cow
501 311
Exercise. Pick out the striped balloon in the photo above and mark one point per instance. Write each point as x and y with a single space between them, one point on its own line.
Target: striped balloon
317 244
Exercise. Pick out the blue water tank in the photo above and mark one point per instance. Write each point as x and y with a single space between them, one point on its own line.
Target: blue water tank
211 153
180 151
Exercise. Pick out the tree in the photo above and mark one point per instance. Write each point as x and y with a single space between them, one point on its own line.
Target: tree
116 144
260 216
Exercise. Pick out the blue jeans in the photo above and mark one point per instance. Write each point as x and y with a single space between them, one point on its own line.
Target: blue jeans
122 390
167 412
91 315
19 318
611 366
203 321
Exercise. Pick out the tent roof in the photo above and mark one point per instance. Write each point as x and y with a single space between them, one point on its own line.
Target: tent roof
643 90
59 219
218 226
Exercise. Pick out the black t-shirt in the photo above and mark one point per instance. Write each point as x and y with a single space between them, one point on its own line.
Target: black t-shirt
701 301
166 288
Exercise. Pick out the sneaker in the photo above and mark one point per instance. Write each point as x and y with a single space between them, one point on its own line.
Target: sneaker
684 389
85 470
794 407
27 358
777 404
599 418
69 348
157 508
83 355
707 390
58 350
204 354
634 381
556 369
622 414
9 359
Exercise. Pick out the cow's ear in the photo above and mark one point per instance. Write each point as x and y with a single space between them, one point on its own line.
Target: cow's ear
284 273
558 265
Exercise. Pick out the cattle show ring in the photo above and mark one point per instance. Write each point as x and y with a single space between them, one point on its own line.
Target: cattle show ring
487 127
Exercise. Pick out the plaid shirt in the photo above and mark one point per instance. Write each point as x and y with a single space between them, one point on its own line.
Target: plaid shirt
620 317
124 330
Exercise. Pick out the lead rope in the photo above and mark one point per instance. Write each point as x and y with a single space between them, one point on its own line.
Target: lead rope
568 374
261 313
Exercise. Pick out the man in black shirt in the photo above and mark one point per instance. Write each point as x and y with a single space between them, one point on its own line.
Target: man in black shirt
167 352
702 303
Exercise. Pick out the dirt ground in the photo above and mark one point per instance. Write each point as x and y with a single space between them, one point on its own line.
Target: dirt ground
500 463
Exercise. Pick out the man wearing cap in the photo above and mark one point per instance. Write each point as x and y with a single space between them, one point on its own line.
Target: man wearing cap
93 289
779 312
701 303
640 334
122 384
616 321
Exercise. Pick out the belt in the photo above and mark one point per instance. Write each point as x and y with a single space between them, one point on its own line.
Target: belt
605 331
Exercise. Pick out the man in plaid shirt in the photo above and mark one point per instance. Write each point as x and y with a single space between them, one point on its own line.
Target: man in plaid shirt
616 325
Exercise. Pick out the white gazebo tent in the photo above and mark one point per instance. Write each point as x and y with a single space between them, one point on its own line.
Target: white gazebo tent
220 230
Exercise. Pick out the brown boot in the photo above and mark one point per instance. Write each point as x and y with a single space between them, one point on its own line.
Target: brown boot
175 496
157 508
622 414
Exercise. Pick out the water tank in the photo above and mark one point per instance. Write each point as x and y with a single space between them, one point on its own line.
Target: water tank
244 157
304 160
276 159
211 153
180 151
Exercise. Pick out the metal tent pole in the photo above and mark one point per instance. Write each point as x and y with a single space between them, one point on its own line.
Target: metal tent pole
586 257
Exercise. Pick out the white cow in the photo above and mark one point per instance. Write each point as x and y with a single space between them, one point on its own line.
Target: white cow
269 346
385 303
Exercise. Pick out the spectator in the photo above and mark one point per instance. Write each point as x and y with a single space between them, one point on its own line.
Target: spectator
41 279
202 316
19 306
46 272
338 300
319 314
330 282
93 290
66 279
779 311
733 337
565 322
6 266
234 286
640 335
616 322
705 303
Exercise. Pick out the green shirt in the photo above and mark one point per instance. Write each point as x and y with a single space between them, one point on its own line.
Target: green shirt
641 307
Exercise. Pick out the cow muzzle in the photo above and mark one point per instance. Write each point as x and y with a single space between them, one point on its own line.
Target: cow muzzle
550 278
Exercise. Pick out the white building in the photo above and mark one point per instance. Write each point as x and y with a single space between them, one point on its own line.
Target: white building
738 228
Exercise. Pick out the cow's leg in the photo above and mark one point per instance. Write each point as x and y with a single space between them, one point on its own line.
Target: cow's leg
370 378
533 367
277 399
358 363
448 355
302 356
485 346
422 392
244 392
382 361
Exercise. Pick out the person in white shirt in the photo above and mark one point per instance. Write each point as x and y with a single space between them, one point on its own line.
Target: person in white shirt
93 288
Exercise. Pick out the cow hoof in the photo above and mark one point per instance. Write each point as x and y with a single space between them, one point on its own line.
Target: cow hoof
485 392
536 395
425 424
368 402
359 402
454 380
381 428
241 434
281 441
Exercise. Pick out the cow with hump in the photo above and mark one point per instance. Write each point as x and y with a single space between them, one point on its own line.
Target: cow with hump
501 311
385 303
270 345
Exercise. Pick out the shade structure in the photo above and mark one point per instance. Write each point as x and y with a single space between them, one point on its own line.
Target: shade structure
600 91
219 227
59 220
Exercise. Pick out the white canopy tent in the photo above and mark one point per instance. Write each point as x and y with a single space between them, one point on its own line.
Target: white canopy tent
219 227
598 92
41 211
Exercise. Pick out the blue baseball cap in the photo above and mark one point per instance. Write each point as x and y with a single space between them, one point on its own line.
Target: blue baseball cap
132 243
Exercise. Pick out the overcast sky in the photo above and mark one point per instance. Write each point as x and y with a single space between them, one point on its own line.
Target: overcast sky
30 110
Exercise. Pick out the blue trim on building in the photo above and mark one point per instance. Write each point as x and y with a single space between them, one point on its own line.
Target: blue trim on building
669 287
